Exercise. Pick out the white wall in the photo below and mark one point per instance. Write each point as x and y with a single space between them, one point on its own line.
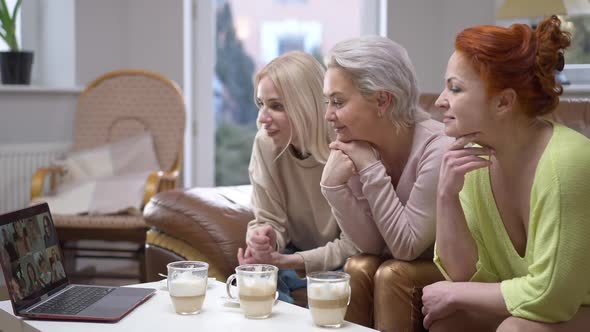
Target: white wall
427 29
139 34
36 116
101 35
155 37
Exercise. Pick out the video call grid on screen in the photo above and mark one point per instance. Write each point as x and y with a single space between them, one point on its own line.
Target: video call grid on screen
30 252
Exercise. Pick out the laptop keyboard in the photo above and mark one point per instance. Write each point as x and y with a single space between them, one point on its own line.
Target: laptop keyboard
73 300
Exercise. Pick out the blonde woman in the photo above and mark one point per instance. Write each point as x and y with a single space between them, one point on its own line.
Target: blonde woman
293 227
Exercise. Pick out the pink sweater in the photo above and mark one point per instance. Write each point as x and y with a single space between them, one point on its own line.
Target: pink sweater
376 216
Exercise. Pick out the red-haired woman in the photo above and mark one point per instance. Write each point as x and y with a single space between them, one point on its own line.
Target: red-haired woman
512 219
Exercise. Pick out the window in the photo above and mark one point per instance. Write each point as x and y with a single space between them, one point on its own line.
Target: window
579 51
290 43
248 37
3 46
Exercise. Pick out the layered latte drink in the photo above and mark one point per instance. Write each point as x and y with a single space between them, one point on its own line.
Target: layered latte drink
257 286
257 296
328 294
188 294
187 285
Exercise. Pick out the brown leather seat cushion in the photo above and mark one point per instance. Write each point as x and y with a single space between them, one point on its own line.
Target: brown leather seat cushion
212 219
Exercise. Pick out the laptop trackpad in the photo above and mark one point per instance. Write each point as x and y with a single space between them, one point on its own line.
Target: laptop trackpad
116 303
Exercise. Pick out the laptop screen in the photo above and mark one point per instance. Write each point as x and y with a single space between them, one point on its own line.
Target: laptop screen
31 259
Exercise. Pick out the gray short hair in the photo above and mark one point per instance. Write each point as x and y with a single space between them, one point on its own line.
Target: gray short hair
380 64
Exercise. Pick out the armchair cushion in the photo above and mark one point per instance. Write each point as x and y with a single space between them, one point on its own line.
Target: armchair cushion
131 155
101 196
107 179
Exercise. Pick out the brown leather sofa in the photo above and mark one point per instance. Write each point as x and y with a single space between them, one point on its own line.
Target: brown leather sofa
209 224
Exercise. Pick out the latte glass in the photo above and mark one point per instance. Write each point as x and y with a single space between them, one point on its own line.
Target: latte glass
328 296
257 286
187 285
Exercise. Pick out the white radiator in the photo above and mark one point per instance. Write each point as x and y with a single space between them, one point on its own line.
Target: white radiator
18 163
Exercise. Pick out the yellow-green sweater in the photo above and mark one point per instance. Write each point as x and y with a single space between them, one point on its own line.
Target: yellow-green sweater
552 280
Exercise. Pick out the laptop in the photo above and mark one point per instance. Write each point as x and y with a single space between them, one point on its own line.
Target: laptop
32 263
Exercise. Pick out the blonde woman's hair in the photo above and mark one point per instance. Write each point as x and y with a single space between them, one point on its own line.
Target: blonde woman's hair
298 78
380 64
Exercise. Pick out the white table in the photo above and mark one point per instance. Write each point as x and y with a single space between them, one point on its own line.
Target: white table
157 314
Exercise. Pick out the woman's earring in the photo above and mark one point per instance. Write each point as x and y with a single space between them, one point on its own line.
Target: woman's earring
379 114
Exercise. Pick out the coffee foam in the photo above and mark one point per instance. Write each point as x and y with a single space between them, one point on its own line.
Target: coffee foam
327 291
187 285
257 286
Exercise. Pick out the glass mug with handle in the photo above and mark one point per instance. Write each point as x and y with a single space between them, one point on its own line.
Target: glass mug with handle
257 287
328 296
187 285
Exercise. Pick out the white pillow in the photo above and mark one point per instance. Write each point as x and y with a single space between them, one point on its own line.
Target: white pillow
108 195
131 155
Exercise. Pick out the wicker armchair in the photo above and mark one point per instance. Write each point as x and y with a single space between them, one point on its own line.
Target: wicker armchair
115 106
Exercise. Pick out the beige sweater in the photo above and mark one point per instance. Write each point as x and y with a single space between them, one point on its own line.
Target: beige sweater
396 221
286 195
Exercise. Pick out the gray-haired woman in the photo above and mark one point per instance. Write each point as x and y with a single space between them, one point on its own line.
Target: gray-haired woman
381 178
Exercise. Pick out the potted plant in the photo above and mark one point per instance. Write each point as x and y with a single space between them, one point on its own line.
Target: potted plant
15 65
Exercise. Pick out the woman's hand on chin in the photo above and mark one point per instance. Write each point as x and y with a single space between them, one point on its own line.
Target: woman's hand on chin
360 152
338 170
461 157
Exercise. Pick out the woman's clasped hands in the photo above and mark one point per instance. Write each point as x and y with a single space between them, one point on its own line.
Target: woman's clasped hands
347 159
261 247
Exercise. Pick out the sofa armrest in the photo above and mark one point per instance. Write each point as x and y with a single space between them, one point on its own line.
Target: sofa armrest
213 220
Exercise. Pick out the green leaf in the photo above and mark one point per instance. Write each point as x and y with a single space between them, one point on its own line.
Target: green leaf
4 18
15 10
3 8
8 24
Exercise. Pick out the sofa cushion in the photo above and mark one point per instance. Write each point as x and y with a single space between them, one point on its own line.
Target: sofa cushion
212 219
